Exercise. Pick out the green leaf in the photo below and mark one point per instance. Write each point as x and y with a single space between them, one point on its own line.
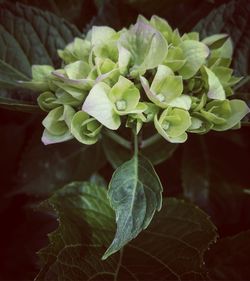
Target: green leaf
135 194
228 259
219 20
86 224
26 39
172 248
18 100
28 36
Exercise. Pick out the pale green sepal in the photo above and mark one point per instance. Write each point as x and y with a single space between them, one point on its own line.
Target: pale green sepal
162 25
165 86
57 124
216 40
147 47
215 89
100 34
172 124
77 50
125 97
183 101
47 101
195 54
85 128
175 58
238 110
48 138
99 106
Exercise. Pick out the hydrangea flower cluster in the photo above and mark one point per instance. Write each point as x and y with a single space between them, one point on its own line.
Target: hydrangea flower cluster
148 73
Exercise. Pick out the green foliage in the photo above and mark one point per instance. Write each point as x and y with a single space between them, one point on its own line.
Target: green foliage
19 51
129 93
87 223
135 194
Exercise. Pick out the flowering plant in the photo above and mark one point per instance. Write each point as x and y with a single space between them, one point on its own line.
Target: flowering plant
143 107
147 75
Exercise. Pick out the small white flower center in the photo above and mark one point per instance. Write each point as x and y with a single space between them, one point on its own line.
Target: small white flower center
121 105
160 97
165 126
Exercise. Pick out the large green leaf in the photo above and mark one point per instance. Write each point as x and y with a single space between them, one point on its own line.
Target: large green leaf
16 99
231 18
172 248
135 195
86 225
28 36
229 258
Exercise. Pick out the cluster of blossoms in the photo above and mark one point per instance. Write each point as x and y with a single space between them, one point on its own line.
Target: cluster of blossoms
148 73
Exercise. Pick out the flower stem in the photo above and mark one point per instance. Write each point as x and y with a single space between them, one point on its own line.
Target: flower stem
118 139
151 140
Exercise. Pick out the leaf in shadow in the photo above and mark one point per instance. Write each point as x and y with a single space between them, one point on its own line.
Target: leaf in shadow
43 169
172 248
231 18
228 259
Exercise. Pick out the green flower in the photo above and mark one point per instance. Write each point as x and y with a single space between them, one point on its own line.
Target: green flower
175 58
199 125
47 101
77 74
79 49
85 129
224 114
213 84
220 46
107 104
142 47
57 125
69 95
135 121
172 124
195 54
107 71
166 89
104 42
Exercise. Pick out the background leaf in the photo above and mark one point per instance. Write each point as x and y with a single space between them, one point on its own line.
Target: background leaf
231 18
28 36
86 224
228 259
43 169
